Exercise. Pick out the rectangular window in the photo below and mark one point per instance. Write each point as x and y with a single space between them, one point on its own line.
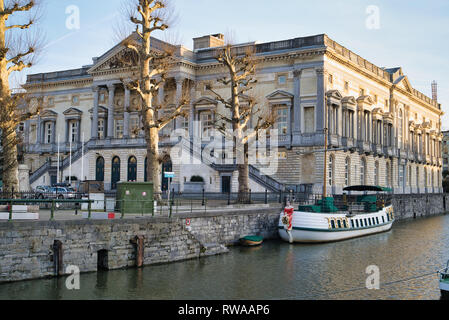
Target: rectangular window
75 100
73 131
282 80
282 120
119 129
101 129
309 119
134 126
49 132
206 124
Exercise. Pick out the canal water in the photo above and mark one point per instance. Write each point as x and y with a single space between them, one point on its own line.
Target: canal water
277 270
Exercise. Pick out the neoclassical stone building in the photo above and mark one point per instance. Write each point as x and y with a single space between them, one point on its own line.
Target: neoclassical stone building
380 129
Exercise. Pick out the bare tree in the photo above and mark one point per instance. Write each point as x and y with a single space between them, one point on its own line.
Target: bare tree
148 17
18 45
241 70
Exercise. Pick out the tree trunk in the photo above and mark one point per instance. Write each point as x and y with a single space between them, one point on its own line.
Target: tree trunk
243 179
153 166
10 163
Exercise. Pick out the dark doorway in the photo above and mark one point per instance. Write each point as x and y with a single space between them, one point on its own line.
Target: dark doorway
53 180
99 169
166 167
115 172
102 260
225 184
132 169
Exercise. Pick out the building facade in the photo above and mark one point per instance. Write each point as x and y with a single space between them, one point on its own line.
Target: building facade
380 129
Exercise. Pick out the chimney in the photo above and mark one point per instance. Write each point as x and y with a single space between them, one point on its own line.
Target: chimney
434 91
210 41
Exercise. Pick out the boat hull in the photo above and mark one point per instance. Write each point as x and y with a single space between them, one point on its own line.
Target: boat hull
309 227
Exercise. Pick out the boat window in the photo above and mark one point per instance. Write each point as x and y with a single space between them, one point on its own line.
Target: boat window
361 222
388 217
383 219
366 223
352 223
333 224
377 220
345 224
339 223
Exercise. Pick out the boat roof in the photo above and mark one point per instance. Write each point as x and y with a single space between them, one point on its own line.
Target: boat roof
367 188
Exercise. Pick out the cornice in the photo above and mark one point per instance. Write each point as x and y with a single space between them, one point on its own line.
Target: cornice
380 80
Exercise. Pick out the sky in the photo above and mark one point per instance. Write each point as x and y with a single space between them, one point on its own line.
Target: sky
412 34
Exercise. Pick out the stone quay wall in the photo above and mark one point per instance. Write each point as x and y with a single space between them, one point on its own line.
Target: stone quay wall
27 248
409 206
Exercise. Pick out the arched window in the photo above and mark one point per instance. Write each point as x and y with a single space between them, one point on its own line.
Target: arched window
99 169
331 170
132 168
425 177
387 175
115 174
363 171
417 176
376 173
347 171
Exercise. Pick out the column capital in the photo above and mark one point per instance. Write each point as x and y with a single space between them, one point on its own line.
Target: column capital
95 88
111 87
320 71
297 73
179 79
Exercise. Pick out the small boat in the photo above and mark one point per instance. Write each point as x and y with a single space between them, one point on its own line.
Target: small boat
340 217
250 241
444 281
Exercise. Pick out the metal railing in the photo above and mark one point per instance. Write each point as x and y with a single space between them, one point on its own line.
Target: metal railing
53 202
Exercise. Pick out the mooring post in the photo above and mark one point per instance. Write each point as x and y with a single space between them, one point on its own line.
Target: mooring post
202 203
57 257
139 242
266 196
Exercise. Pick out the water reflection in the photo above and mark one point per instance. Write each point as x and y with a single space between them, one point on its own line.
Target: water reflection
275 270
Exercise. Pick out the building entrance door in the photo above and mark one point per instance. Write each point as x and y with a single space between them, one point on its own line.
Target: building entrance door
225 184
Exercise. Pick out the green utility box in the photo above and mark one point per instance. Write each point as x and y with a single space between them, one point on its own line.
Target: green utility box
135 197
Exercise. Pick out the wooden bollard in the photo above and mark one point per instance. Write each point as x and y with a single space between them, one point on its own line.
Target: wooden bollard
139 242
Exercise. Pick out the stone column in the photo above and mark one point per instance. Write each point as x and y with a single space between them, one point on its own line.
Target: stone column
126 105
192 110
111 89
321 100
39 130
94 127
297 107
179 83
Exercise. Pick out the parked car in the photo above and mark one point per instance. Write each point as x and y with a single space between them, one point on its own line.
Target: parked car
63 192
43 192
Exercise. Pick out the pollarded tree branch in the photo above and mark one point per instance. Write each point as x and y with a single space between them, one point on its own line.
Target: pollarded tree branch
17 8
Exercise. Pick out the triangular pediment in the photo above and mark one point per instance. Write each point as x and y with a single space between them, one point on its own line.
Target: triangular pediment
205 101
365 100
335 94
403 83
73 112
48 114
120 57
349 100
280 95
101 110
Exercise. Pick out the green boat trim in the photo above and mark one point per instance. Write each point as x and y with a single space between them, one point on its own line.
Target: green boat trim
252 238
